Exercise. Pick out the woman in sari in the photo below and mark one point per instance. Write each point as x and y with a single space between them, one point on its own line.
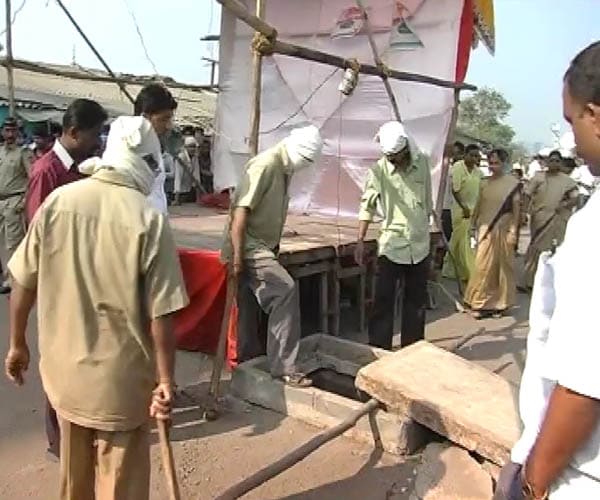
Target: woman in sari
466 177
491 289
551 196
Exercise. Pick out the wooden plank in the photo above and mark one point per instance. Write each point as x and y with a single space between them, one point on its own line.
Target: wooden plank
452 396
310 269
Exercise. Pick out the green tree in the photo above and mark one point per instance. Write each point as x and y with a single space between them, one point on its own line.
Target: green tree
482 115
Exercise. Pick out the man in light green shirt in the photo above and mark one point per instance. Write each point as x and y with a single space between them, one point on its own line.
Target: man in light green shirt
258 214
400 185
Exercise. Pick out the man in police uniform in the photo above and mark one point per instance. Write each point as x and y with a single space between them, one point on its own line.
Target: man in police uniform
14 170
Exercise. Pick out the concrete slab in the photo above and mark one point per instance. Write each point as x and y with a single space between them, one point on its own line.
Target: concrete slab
396 434
452 396
450 472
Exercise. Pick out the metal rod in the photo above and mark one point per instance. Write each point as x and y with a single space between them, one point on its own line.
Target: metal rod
378 61
300 453
9 62
96 53
292 50
256 89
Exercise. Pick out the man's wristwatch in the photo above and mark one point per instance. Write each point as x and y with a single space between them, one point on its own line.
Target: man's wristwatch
528 491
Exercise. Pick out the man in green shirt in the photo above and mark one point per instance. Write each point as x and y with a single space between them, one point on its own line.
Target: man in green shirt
258 213
400 185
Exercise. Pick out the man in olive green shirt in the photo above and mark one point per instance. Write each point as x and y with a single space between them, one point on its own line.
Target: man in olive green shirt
14 174
400 183
258 214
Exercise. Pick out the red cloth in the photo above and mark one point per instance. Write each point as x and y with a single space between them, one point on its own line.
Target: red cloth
47 174
465 41
197 327
215 200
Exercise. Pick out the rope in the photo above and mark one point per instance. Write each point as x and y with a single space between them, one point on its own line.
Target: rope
301 108
263 45
384 69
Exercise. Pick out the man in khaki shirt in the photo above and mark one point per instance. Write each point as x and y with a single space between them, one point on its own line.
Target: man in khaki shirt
14 171
400 183
258 214
102 265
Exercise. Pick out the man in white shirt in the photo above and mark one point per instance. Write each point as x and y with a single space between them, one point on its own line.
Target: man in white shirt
558 456
157 105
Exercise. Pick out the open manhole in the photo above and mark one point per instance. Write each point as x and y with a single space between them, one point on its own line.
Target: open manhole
332 364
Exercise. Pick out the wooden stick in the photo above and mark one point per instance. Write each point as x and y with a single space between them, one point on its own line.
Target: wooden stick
379 62
9 63
93 49
92 77
292 50
300 453
242 13
211 412
256 89
168 461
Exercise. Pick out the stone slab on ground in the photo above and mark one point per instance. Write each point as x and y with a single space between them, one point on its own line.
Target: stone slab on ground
397 434
448 472
452 396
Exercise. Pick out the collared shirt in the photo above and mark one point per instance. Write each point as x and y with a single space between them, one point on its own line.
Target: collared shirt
63 155
104 264
567 353
14 170
263 190
405 199
54 169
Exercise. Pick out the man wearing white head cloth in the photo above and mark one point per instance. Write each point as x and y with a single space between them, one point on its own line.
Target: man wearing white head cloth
258 214
102 265
400 184
186 170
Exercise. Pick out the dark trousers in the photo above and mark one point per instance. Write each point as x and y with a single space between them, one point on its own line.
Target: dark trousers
52 429
412 279
447 223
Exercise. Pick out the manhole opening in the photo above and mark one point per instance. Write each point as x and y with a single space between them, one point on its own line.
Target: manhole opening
341 384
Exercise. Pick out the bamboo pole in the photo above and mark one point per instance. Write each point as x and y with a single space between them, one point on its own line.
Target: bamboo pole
288 49
9 63
168 461
379 62
300 453
79 75
96 53
256 89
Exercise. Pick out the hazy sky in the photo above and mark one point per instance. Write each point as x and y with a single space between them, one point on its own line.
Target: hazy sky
535 41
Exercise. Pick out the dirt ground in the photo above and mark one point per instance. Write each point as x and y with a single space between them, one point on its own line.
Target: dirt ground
212 456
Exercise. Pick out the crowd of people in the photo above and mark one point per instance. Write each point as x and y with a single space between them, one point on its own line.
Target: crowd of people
483 217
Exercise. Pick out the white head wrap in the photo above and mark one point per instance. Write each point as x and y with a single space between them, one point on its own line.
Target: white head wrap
304 146
392 137
130 140
190 141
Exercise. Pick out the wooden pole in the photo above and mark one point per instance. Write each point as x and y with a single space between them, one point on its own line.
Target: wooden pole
92 77
211 411
379 62
168 461
298 454
288 49
9 62
256 89
96 53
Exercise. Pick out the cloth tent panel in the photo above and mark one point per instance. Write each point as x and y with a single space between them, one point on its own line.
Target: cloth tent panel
288 84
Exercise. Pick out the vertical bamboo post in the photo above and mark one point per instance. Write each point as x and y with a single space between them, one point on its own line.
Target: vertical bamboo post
378 61
9 62
439 205
256 89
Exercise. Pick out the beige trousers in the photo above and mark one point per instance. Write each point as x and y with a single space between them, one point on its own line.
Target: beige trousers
12 223
100 465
